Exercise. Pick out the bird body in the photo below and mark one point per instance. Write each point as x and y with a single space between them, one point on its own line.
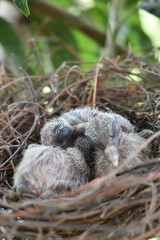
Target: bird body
86 114
80 115
47 171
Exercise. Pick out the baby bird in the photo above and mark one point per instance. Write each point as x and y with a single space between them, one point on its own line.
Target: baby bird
63 131
69 131
113 146
47 171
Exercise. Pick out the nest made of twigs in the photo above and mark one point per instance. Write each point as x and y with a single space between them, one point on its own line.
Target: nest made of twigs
126 207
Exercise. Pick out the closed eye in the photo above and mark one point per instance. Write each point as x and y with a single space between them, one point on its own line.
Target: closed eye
64 132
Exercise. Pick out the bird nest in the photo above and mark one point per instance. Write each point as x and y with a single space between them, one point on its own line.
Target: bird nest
125 207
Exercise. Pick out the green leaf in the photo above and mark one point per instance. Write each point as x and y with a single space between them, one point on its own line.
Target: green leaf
22 5
140 42
12 45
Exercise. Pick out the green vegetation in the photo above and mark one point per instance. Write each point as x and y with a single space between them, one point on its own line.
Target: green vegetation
75 30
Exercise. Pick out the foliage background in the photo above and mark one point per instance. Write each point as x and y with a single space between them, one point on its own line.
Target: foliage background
38 47
44 43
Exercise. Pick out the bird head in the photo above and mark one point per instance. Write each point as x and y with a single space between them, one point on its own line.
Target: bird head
57 132
110 133
104 133
62 134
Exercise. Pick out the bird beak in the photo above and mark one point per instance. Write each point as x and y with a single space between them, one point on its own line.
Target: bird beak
81 127
112 154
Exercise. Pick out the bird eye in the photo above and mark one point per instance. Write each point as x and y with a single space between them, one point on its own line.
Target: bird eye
63 136
65 132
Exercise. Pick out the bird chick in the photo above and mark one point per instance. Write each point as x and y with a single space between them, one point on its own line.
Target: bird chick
113 147
69 131
63 131
47 171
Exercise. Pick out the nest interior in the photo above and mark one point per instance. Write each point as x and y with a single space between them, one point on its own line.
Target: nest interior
123 208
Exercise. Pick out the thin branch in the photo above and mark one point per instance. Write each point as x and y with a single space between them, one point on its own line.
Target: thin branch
54 11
